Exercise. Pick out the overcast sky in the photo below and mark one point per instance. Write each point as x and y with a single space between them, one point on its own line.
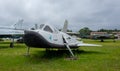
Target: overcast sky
94 14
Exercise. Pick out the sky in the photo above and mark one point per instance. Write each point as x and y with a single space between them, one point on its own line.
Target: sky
94 14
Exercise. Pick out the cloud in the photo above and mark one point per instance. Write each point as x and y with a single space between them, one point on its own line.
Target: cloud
79 13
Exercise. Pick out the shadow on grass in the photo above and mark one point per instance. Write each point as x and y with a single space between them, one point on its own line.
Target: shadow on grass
8 46
46 56
87 52
4 47
52 54
105 41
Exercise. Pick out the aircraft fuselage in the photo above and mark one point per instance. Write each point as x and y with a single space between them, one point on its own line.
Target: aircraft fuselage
44 39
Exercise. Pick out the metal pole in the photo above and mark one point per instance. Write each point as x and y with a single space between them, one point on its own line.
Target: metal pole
12 42
69 50
66 44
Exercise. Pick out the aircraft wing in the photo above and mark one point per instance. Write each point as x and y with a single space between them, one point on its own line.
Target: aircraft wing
86 44
6 27
11 32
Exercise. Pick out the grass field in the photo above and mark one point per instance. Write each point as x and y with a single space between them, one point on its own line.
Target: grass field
105 58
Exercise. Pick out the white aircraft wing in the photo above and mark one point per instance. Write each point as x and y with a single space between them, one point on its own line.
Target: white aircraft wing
11 32
86 44
6 27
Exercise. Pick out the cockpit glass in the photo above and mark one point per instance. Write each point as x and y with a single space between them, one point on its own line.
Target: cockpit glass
41 26
48 29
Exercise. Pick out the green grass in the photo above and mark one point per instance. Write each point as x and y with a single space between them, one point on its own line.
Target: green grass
105 58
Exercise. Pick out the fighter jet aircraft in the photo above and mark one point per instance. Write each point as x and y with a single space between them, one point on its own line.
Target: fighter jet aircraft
48 36
12 31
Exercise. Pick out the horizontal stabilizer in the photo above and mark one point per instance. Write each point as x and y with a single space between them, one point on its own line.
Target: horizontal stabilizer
85 44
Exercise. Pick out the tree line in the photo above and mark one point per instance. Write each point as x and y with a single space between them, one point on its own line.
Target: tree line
85 32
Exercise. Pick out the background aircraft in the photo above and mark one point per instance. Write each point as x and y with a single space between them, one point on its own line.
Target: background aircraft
14 31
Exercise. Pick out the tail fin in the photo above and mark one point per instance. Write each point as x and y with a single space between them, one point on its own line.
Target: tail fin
65 26
18 25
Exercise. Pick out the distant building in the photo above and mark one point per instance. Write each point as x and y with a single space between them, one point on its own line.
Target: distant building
98 33
117 34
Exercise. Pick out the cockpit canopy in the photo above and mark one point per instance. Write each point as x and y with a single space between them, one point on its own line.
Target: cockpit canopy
48 28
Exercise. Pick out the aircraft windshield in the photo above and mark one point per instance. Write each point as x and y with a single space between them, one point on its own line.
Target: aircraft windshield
48 29
41 26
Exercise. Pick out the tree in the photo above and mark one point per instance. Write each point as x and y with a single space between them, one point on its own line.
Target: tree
84 32
108 30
